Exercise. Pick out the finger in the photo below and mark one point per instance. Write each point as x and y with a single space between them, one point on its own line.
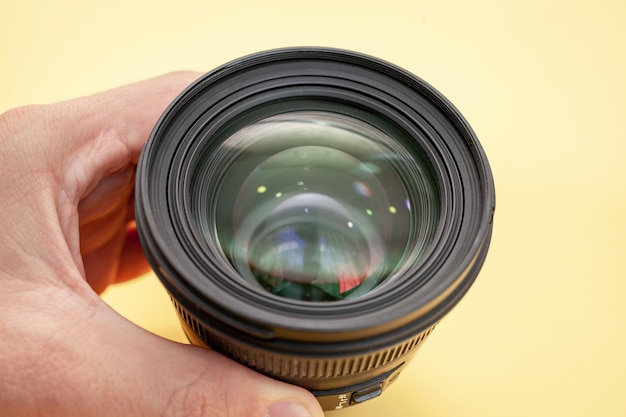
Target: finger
101 264
133 262
100 232
106 215
104 133
119 259
65 150
184 380
109 196
128 112
83 139
140 374
102 137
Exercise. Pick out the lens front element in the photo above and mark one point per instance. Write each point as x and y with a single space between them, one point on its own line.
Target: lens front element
311 206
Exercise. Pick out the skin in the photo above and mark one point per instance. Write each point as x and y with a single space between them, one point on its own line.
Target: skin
66 233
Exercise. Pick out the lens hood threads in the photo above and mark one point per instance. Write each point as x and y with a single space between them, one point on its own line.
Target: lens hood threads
313 214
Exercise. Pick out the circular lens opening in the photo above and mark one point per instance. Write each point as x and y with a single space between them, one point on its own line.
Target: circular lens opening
316 206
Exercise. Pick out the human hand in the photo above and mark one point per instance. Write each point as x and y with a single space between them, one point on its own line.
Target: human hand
66 217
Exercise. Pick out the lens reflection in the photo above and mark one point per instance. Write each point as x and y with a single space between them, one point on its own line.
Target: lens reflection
311 206
310 247
313 240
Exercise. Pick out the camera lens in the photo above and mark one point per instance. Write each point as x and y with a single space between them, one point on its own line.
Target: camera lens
313 213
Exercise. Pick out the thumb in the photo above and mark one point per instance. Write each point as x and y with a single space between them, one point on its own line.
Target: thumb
96 363
168 379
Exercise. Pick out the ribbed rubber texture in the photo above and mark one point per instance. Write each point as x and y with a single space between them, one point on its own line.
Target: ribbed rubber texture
288 367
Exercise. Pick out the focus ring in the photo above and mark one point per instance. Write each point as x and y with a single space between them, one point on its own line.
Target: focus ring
288 367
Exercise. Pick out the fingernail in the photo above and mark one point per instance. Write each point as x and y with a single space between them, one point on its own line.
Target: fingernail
286 409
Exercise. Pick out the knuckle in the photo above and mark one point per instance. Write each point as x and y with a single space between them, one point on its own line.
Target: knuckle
13 119
22 129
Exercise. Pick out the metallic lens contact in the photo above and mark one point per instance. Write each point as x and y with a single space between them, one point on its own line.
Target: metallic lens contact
313 214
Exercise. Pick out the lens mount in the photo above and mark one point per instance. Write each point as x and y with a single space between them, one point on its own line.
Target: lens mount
202 173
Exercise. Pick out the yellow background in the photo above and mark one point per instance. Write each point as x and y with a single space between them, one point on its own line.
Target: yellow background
541 333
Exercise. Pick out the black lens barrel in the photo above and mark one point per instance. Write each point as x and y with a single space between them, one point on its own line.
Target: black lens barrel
345 351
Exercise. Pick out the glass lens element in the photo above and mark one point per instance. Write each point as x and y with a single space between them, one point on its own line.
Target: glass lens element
311 206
